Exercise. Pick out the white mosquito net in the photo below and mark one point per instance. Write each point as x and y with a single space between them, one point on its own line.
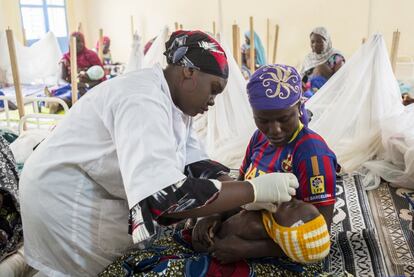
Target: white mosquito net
349 108
136 55
38 64
396 163
155 55
360 115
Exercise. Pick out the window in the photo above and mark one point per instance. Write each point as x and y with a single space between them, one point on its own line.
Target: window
42 16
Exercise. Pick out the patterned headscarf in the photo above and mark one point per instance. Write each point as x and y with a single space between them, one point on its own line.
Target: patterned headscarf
195 49
276 87
313 59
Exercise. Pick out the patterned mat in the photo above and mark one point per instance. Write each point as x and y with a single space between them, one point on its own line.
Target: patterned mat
355 247
393 218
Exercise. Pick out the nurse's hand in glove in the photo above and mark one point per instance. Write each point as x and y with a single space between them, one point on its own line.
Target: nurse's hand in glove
274 187
268 188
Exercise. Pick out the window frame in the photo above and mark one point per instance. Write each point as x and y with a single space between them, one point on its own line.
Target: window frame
63 41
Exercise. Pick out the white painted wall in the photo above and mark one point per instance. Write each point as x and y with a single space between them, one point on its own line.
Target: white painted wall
10 17
348 21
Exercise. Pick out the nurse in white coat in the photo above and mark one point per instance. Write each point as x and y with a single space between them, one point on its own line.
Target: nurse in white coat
126 157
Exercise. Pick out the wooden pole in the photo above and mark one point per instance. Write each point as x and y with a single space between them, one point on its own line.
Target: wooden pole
15 72
268 39
132 26
100 45
176 26
252 47
275 43
239 59
214 28
220 28
236 45
24 37
394 49
73 70
80 29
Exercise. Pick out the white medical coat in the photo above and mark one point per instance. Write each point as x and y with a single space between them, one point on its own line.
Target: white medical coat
123 141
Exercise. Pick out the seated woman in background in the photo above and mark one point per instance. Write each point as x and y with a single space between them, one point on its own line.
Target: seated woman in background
323 61
111 68
106 51
90 72
85 58
259 54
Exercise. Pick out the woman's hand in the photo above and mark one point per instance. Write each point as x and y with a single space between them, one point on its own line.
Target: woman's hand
204 232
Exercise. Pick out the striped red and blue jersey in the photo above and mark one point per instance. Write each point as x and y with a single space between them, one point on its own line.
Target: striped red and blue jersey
306 155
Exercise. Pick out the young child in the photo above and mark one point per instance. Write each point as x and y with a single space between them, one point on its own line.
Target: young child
296 227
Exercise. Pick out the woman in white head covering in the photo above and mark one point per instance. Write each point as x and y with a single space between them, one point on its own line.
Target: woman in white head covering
324 60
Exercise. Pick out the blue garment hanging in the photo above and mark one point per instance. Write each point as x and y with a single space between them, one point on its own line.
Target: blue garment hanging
260 51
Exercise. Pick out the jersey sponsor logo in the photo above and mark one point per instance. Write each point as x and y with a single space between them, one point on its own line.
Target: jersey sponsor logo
318 197
317 184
